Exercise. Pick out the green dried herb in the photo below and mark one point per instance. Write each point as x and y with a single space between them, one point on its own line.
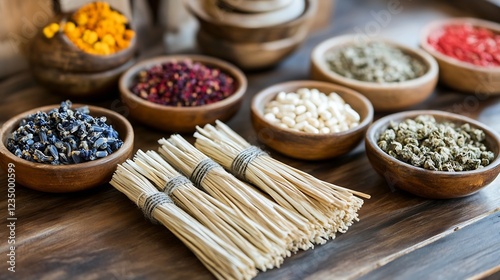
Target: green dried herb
374 62
425 143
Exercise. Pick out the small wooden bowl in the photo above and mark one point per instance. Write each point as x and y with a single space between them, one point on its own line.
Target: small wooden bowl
182 119
249 56
79 85
427 183
384 97
461 75
67 178
61 54
310 146
237 34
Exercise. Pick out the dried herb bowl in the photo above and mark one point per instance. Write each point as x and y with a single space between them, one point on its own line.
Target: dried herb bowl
310 146
72 177
459 75
428 183
384 96
186 118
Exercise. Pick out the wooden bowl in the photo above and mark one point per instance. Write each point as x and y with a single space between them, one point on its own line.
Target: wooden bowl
61 54
237 34
79 85
249 56
310 146
461 75
182 119
384 97
427 183
67 178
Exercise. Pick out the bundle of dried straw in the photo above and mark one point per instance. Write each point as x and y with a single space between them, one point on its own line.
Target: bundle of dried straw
223 259
233 227
290 231
328 207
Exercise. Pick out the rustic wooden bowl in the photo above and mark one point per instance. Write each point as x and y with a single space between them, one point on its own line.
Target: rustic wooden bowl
67 178
61 54
182 119
461 75
249 56
384 97
427 183
310 146
79 85
237 34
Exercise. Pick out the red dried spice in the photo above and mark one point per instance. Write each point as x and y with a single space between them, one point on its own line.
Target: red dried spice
183 83
476 45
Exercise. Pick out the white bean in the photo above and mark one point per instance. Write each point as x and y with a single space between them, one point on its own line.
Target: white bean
310 106
287 108
314 122
325 115
300 125
281 97
288 121
310 129
299 110
303 117
311 111
270 117
324 130
290 115
351 114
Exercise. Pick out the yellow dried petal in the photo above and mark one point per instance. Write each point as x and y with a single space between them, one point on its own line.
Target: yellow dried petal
109 40
69 27
47 31
82 19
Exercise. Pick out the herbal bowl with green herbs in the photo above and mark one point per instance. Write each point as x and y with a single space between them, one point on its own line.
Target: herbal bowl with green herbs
392 76
434 154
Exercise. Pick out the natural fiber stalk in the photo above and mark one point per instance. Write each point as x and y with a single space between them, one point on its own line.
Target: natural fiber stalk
329 207
222 259
232 227
290 231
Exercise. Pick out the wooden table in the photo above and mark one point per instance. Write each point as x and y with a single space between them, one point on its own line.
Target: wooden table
100 234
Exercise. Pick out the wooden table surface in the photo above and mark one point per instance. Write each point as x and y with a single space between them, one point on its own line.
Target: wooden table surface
100 234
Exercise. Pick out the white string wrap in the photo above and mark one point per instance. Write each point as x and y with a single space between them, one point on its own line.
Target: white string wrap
243 159
201 170
152 201
174 183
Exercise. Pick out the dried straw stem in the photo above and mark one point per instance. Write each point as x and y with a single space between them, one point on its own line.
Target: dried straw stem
230 226
221 258
290 232
329 207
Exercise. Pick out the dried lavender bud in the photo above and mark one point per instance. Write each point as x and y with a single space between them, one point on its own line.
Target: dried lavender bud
63 136
425 143
183 83
374 62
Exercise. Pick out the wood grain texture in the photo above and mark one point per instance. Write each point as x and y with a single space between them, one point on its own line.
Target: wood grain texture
101 234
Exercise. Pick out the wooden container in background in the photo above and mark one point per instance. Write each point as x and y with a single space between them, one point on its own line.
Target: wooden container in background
324 14
21 21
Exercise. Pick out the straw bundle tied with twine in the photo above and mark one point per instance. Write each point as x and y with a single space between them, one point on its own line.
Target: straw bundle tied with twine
233 227
290 231
330 208
222 258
